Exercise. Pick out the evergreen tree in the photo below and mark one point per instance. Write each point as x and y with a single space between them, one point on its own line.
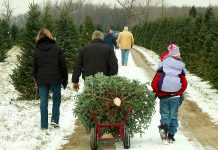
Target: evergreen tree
149 30
68 38
22 76
213 77
157 40
6 34
99 28
136 33
210 27
183 36
20 36
80 28
14 34
204 43
88 29
196 37
5 39
2 53
2 49
99 95
193 46
170 33
118 27
211 36
47 18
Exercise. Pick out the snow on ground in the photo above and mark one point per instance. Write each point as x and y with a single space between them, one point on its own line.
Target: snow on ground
198 90
150 138
20 124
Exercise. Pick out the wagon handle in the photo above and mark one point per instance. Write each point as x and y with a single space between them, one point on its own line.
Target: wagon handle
93 116
127 115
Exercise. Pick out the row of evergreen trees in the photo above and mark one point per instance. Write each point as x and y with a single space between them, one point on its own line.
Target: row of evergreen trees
68 37
8 37
195 35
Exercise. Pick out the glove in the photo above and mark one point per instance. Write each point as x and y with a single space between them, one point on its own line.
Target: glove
75 86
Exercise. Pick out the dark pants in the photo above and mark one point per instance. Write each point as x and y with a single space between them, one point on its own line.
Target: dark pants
43 93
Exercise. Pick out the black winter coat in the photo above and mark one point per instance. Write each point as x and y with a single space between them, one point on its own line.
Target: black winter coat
49 63
94 58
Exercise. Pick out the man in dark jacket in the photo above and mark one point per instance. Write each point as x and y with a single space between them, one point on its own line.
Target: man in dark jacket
109 39
50 72
93 58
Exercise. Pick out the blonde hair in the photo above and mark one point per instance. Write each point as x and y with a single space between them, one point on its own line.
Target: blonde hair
97 34
44 33
125 28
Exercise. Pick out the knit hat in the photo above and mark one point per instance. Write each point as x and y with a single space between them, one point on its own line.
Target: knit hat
173 50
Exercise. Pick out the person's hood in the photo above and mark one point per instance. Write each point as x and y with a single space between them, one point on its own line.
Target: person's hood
45 44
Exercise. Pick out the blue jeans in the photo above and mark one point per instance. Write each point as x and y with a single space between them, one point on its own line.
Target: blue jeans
181 99
43 93
124 56
169 113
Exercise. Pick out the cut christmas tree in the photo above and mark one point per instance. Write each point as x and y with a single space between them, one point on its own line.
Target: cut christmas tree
110 98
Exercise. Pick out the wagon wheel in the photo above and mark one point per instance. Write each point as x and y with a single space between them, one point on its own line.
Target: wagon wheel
126 138
93 139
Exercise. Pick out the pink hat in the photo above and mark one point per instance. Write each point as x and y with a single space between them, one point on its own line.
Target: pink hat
174 50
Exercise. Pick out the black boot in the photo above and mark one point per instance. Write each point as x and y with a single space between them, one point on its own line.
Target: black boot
171 138
163 129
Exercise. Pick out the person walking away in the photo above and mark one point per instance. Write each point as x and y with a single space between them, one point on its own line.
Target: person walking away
109 39
93 58
125 42
182 76
50 72
169 84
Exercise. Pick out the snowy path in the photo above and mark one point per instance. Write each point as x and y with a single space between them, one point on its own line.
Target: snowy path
7 89
20 127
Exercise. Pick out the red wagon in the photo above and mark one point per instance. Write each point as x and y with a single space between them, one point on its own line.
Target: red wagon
96 132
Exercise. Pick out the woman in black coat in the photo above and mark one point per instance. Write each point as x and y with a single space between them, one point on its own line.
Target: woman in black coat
50 72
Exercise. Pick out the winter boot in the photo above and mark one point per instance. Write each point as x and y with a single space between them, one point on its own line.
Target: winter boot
171 138
163 129
55 125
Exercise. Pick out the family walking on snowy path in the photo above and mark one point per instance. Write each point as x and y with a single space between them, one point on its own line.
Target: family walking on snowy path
50 73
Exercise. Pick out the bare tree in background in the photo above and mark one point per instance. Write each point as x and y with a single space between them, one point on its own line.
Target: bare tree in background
7 10
68 6
162 4
131 9
146 6
162 8
128 5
